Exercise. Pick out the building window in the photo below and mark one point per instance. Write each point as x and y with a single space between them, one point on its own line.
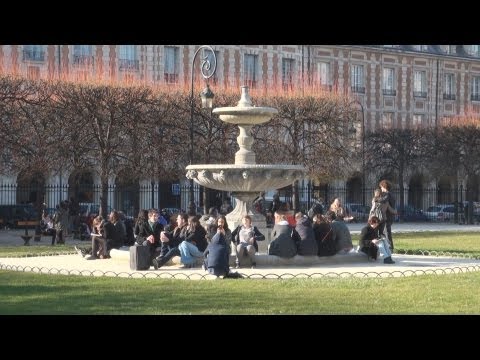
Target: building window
387 120
419 84
473 50
421 47
449 92
128 57
82 55
287 73
33 53
250 70
389 82
449 49
417 120
323 70
357 79
208 55
476 88
171 68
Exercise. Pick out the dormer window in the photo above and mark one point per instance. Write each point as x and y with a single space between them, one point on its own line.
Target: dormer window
473 50
420 47
449 49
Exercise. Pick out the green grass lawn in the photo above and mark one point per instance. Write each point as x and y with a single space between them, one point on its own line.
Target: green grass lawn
30 293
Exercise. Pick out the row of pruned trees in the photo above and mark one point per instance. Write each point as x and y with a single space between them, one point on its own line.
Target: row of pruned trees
450 150
47 126
144 132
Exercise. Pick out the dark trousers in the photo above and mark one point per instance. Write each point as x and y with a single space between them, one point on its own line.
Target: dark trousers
170 254
59 237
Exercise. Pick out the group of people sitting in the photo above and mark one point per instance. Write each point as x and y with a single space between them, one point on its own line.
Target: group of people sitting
106 235
209 238
194 238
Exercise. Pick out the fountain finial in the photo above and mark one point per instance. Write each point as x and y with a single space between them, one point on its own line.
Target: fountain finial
245 100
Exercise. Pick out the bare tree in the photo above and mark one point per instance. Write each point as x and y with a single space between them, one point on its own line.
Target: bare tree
394 152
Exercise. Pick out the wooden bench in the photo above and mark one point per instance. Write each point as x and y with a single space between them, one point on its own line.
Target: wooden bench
26 223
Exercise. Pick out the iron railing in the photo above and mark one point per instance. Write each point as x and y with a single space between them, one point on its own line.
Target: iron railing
416 204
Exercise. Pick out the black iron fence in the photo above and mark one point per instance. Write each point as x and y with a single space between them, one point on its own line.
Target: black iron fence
457 205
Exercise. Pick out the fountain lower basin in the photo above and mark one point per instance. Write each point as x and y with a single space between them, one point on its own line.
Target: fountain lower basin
244 177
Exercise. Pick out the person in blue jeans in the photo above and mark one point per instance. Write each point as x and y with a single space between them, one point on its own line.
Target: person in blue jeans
194 244
369 236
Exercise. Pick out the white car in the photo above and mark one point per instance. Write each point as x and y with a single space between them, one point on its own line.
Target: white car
440 212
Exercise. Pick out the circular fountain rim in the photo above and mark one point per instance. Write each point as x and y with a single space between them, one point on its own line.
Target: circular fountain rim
247 110
246 166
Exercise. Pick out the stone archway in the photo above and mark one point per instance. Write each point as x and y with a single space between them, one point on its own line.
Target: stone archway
415 191
30 189
127 194
81 186
445 194
473 187
354 190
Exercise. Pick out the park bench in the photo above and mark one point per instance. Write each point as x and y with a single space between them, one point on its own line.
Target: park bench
26 223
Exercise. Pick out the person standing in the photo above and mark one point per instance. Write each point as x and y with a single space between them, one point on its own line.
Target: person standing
60 222
387 197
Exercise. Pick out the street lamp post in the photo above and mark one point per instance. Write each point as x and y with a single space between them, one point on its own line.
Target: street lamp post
207 70
363 149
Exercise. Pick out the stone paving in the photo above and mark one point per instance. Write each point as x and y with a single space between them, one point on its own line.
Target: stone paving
405 265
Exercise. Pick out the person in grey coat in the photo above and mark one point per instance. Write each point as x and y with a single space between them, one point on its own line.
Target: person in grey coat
307 245
340 234
285 238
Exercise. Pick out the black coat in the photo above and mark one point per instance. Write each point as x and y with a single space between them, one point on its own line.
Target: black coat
307 246
217 255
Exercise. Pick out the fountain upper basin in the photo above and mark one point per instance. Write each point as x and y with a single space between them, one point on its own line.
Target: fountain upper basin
245 115
244 177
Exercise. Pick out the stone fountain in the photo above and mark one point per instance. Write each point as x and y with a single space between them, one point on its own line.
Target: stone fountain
245 179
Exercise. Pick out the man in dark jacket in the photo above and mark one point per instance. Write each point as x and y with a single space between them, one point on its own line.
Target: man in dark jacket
171 240
149 234
308 244
387 197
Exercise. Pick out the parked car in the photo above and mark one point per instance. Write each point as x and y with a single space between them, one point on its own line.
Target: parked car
411 214
359 212
441 212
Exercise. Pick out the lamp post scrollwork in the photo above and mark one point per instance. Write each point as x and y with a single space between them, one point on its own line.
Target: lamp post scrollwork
208 68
